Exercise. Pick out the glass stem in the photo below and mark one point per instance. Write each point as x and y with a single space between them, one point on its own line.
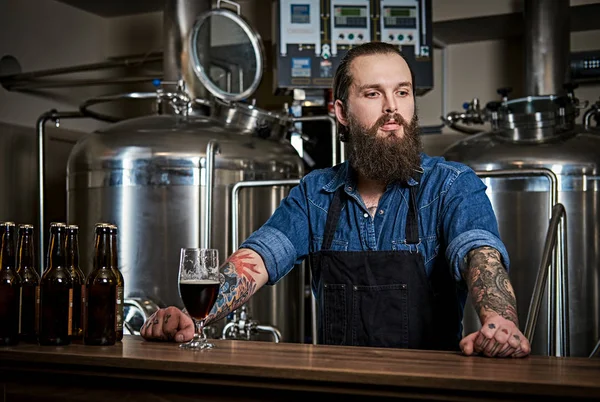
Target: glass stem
200 331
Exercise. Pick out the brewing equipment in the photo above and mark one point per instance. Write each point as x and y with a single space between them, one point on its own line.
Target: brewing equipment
166 180
538 132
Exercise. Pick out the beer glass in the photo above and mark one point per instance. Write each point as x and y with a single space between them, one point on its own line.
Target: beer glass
198 288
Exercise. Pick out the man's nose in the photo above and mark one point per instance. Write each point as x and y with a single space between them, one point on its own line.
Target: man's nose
390 105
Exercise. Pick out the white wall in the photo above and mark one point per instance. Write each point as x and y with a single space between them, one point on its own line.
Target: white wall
44 34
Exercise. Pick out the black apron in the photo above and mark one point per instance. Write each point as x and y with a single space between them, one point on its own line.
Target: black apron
383 298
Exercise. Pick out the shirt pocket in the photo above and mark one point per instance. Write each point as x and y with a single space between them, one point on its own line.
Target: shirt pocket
428 246
336 245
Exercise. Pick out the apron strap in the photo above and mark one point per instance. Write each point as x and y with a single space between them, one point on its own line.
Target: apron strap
412 219
333 216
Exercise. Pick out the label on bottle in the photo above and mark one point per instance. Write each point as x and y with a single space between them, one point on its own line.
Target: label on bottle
119 310
37 309
70 312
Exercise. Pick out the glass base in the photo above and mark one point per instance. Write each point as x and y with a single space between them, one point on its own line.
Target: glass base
196 345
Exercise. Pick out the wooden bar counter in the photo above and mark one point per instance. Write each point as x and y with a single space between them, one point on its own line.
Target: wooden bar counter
136 370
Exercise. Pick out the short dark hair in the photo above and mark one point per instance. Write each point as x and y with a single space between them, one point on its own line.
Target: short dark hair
343 79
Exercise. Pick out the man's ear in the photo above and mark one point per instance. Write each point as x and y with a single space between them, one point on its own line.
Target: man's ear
340 113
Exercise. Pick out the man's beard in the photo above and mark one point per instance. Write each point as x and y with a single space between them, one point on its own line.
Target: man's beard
385 159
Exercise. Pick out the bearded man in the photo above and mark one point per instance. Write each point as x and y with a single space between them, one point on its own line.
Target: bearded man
396 239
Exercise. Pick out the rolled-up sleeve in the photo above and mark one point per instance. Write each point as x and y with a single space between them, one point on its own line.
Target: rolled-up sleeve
283 240
469 221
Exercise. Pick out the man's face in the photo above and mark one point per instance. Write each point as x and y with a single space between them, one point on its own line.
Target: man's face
384 142
381 85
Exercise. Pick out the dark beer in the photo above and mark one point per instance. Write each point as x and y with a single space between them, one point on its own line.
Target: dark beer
120 282
72 263
56 292
30 298
198 296
101 293
10 288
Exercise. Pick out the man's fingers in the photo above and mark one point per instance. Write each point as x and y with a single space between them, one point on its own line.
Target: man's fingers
171 321
186 329
467 344
498 342
524 349
157 325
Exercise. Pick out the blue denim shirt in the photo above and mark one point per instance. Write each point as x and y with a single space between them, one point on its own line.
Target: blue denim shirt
455 216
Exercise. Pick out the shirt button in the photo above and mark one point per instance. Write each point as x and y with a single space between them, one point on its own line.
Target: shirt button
366 215
381 212
349 188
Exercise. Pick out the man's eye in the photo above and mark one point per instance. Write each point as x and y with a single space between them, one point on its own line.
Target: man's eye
403 93
371 94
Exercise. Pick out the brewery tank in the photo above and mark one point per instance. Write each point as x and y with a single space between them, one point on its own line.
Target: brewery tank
148 176
533 134
536 133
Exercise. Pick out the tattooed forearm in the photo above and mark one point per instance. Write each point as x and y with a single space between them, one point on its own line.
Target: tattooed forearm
240 284
490 287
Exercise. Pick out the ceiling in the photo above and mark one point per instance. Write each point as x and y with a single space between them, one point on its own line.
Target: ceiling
116 8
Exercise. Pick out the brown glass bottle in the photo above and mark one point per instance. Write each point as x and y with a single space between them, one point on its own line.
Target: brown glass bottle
30 279
101 293
72 264
56 292
120 282
10 288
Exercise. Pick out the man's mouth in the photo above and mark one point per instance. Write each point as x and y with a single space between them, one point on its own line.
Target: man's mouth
390 125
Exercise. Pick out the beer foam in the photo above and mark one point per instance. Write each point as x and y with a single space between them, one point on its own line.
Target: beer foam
199 282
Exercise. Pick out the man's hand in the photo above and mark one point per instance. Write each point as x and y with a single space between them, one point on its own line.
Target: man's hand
498 337
168 324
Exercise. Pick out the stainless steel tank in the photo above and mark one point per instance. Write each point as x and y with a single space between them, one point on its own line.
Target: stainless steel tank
149 175
146 176
539 133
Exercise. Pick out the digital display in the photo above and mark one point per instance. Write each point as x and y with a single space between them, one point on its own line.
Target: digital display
400 12
350 17
400 17
300 14
350 12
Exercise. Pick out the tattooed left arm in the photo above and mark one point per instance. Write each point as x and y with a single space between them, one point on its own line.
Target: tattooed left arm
494 300
490 287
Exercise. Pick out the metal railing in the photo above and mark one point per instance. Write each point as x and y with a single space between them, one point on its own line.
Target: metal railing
553 268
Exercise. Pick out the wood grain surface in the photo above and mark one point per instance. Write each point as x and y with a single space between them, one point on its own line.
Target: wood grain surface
243 370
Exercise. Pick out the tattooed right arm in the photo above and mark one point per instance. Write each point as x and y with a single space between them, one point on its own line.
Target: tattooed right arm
244 273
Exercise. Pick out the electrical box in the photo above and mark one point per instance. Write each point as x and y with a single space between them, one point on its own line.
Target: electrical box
312 37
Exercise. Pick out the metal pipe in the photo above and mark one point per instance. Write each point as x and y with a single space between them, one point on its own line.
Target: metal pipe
587 116
333 132
26 85
552 236
235 201
547 46
131 62
209 171
271 330
558 329
179 17
41 148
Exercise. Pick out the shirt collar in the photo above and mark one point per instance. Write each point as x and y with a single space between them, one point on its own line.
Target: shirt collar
346 175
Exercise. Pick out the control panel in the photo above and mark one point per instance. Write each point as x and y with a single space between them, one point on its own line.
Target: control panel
403 24
311 37
300 25
350 23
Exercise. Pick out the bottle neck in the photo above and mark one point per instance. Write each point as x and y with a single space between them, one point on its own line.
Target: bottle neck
26 255
56 251
102 258
7 253
72 252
